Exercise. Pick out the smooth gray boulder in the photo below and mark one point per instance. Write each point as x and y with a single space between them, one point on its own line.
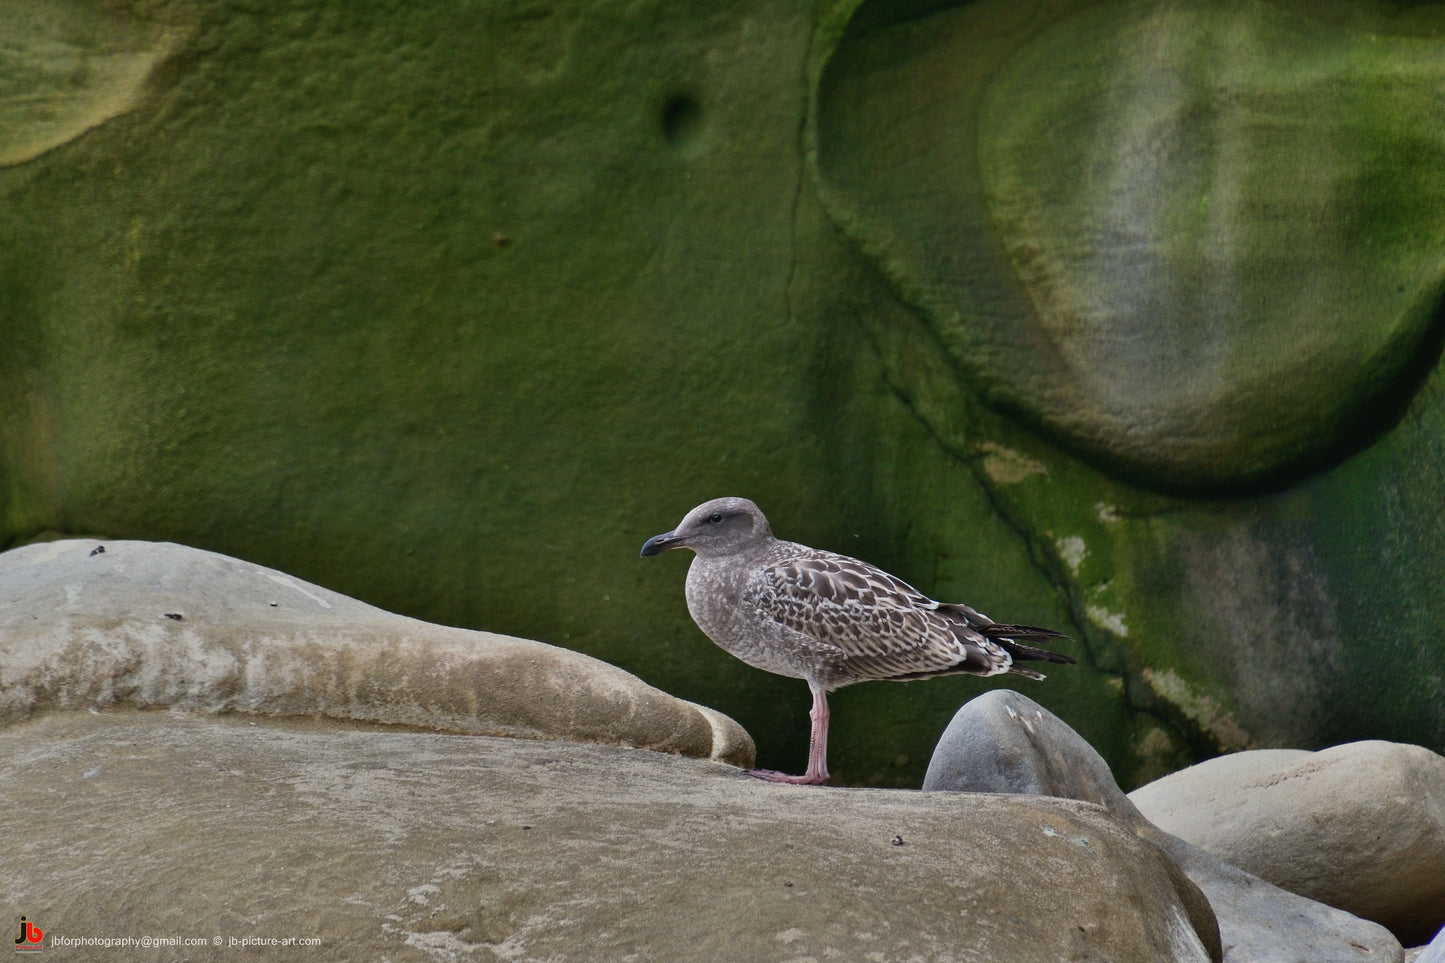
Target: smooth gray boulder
1433 953
1004 742
1359 826
388 844
91 624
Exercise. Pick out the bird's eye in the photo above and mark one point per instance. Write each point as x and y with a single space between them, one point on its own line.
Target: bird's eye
715 517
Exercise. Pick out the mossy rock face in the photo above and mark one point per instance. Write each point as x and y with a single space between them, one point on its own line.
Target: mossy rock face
1220 536
69 66
449 307
1202 244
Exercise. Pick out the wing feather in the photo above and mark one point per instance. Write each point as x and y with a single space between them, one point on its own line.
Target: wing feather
880 626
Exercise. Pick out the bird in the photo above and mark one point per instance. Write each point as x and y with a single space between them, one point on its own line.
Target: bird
829 619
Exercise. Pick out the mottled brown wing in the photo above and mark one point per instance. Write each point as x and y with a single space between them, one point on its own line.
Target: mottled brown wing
882 627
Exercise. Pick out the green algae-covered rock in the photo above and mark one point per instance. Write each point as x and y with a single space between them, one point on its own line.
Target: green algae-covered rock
449 307
69 66
1201 243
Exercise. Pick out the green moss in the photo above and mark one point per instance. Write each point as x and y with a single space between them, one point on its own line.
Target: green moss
1189 242
1378 528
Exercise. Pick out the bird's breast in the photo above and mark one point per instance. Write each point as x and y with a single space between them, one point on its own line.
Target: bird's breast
715 599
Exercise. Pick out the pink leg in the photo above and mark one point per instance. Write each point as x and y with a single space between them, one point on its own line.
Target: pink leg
817 773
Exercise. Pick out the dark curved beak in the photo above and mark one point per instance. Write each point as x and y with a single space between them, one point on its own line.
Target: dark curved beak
661 543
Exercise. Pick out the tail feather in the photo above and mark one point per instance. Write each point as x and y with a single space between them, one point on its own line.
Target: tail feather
1028 653
1008 636
1031 632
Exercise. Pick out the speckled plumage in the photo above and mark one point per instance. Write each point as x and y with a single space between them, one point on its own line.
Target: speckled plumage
826 618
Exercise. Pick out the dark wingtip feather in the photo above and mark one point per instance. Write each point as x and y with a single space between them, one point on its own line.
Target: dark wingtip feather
1009 635
1029 653
1030 632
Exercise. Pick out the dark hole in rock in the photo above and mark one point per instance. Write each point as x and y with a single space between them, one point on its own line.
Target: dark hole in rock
681 119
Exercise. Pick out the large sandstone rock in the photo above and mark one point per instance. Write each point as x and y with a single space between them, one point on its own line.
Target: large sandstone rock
403 845
1359 826
86 624
1004 742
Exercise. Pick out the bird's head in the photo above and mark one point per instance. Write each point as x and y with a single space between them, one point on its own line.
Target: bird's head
723 526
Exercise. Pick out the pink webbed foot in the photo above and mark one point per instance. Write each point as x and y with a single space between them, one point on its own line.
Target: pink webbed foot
817 773
806 779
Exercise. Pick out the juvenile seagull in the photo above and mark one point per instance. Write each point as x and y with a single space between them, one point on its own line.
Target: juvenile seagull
828 619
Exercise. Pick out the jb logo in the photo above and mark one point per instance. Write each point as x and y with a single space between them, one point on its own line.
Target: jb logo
29 940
